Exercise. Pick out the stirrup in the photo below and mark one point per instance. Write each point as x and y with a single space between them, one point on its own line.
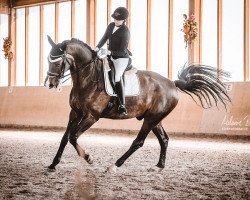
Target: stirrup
122 110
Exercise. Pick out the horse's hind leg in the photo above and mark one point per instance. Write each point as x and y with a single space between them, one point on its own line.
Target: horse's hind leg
163 138
137 143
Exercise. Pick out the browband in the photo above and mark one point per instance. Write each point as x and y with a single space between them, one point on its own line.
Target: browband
54 60
58 58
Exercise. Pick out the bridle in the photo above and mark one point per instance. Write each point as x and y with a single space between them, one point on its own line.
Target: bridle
65 57
53 59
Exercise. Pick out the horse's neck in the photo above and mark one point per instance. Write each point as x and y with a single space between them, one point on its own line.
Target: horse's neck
88 74
80 54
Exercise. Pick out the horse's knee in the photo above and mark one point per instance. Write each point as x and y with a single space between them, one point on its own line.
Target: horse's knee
166 139
164 143
72 140
166 136
137 144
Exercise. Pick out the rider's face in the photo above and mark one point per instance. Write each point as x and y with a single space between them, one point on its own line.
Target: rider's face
118 22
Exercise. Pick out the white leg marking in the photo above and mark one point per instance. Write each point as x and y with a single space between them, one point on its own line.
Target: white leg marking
155 169
111 169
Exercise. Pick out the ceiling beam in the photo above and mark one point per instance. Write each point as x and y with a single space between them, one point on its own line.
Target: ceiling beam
23 3
4 7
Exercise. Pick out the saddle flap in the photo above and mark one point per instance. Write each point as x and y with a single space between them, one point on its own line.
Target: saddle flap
133 70
106 64
132 86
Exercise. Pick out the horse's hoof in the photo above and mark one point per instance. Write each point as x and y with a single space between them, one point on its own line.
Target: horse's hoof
51 168
89 159
111 169
155 169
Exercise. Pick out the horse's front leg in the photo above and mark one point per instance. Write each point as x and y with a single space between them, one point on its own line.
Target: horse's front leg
85 123
73 121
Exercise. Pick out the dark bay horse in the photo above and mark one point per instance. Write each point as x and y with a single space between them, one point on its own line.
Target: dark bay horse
157 98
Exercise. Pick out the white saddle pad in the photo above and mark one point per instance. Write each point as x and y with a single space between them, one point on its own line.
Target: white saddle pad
132 85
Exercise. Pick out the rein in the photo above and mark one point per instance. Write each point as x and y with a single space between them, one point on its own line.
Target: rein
79 69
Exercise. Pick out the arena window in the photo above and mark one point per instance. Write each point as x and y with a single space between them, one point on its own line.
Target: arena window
48 29
80 20
209 33
138 31
232 38
101 19
180 53
3 62
64 25
33 46
20 47
156 41
159 37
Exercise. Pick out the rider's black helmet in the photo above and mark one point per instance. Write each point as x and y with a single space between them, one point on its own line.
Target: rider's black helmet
120 13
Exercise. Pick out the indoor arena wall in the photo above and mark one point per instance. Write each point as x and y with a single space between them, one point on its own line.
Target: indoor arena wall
41 107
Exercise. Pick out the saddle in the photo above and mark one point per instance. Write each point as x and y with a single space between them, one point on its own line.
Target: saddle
130 79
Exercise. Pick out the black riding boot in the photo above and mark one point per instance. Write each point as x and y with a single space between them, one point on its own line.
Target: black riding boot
121 97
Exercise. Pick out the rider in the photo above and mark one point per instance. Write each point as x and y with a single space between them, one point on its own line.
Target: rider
117 34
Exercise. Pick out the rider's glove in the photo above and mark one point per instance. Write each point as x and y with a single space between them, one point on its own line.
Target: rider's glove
105 52
96 49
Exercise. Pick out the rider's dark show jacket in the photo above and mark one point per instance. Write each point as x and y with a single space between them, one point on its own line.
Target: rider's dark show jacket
117 42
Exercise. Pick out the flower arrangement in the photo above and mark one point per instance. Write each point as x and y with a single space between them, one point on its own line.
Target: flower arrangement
6 49
190 29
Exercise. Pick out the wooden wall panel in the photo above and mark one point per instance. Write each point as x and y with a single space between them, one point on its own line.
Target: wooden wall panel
170 39
194 47
109 11
26 44
12 35
91 22
41 45
219 33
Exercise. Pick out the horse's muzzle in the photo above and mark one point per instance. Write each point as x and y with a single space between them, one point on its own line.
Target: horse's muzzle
47 83
50 83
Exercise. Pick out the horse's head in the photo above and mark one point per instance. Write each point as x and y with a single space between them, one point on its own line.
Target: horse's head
59 63
64 56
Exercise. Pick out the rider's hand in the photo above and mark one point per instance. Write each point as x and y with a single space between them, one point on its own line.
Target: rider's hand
105 52
96 49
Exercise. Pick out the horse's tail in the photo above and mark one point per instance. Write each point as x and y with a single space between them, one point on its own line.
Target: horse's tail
204 82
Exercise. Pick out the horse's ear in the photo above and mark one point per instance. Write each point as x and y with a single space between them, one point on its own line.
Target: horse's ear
51 41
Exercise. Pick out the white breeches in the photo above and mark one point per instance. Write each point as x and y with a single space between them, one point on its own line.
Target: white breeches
120 65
